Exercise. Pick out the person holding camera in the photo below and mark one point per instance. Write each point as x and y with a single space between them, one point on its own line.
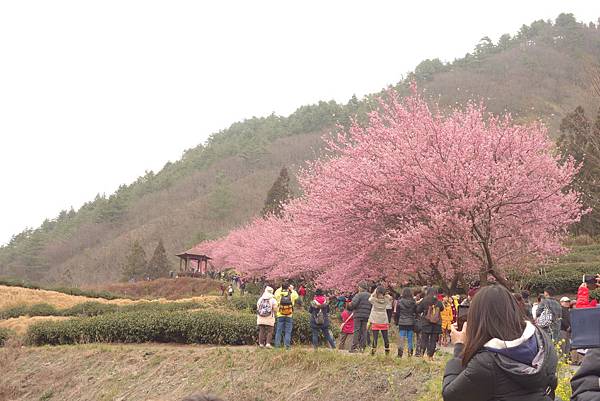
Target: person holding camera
499 354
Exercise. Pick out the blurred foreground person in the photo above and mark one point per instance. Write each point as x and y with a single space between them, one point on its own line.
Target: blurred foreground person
499 355
586 382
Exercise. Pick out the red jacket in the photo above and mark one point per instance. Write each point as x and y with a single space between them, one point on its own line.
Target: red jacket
583 299
349 326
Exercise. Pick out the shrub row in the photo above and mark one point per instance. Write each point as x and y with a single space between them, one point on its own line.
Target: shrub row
202 327
65 290
87 309
564 279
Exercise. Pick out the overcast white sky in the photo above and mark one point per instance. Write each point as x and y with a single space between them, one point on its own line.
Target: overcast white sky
93 93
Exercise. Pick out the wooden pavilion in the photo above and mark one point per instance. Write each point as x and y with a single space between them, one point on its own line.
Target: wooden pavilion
193 263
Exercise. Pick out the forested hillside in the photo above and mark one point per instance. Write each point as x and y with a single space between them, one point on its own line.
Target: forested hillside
542 72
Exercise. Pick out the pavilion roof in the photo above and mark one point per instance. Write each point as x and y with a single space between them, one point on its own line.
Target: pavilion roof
194 254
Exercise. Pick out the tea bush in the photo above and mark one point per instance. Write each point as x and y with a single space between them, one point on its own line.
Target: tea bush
91 308
564 278
9 282
202 327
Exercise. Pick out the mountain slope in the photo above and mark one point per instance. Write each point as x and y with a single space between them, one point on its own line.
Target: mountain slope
542 72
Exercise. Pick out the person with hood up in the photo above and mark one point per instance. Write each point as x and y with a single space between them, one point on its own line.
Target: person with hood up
379 318
586 381
361 309
266 308
319 319
406 313
499 354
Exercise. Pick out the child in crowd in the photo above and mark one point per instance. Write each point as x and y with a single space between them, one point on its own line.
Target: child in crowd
346 329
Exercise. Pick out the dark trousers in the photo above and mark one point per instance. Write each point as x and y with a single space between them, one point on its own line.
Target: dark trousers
345 341
386 339
428 343
359 341
326 333
265 334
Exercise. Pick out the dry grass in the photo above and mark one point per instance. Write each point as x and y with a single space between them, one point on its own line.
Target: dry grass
20 324
148 372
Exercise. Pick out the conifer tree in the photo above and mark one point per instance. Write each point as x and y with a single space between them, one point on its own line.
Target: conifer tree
159 264
135 264
278 195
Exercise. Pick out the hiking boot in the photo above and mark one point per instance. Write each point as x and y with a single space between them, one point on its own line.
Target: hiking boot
400 351
409 353
373 351
268 346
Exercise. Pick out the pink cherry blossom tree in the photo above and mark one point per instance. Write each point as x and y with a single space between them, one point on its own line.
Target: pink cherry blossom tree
418 193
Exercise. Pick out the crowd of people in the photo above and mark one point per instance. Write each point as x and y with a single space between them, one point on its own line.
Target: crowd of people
504 351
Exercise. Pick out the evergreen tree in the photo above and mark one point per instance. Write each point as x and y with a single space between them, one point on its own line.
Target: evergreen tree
278 195
135 264
159 264
580 140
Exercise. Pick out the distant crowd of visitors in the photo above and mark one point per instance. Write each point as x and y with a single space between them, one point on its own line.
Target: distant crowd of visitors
505 349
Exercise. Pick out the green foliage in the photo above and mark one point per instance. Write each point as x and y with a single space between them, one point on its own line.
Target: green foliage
10 282
202 327
278 195
595 294
87 309
159 265
135 264
581 140
245 303
5 334
220 200
562 280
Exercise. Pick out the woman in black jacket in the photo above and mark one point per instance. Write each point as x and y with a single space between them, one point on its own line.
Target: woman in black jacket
406 313
499 355
430 307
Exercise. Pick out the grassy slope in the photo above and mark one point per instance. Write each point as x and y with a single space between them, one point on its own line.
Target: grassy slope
162 372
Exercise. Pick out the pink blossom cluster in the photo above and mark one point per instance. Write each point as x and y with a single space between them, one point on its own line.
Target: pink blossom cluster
416 194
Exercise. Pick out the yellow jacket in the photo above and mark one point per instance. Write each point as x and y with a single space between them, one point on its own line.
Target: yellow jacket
278 295
446 314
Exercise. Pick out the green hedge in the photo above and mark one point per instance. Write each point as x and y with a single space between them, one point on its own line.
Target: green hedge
91 308
65 290
563 279
202 327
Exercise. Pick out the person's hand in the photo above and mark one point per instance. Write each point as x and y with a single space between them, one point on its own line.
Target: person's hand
458 337
598 279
